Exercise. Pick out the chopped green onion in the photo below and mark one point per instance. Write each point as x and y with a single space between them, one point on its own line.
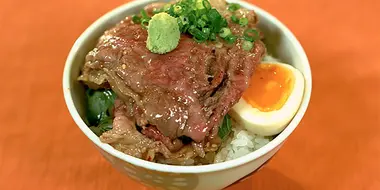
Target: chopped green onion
206 32
184 20
216 20
185 28
144 14
145 23
200 12
212 37
192 18
201 23
199 4
199 19
204 17
186 9
197 34
251 35
136 19
145 19
234 19
177 9
233 7
224 22
225 32
206 4
230 39
213 15
247 45
166 7
243 21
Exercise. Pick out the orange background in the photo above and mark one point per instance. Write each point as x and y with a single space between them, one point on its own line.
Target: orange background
337 145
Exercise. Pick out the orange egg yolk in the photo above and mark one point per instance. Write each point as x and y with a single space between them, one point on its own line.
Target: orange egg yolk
270 87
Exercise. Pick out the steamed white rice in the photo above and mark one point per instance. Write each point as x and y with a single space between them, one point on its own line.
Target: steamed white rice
242 143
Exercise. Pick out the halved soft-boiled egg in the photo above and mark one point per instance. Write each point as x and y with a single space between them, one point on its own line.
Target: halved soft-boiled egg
271 100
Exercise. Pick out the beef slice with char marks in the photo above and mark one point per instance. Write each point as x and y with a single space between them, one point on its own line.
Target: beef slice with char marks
125 137
185 92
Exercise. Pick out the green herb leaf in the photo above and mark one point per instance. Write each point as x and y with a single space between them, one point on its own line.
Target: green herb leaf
104 126
225 128
98 104
99 130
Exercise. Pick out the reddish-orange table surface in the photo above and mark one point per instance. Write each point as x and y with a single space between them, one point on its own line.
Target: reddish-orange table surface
337 145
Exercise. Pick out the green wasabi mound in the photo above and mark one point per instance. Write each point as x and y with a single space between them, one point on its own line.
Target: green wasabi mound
163 34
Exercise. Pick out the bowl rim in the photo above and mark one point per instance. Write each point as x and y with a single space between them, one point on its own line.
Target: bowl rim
276 142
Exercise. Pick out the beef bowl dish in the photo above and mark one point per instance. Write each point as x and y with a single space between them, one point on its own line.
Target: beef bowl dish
187 83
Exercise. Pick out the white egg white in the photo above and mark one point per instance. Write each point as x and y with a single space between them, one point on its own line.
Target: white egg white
273 122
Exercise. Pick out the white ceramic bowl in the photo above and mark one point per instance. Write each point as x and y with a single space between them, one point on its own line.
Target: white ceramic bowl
281 43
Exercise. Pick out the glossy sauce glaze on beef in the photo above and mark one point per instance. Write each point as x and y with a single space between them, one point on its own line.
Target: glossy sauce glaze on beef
180 95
